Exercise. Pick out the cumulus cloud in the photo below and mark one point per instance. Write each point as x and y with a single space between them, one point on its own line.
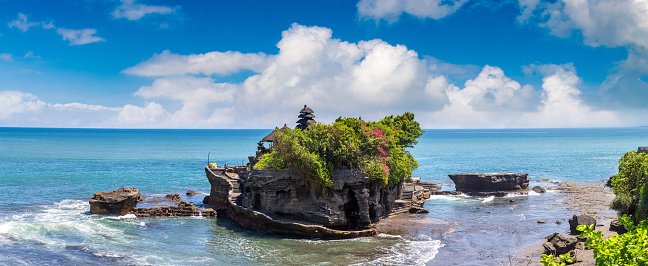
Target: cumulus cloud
167 63
130 10
195 94
22 23
16 102
79 37
337 78
391 10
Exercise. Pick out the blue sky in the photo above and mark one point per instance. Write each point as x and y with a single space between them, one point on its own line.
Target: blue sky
254 64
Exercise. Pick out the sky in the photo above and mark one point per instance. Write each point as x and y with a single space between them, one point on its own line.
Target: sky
255 64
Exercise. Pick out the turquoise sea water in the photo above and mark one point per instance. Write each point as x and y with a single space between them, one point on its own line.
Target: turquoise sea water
48 175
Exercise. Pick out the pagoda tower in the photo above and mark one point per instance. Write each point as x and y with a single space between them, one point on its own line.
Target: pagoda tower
306 118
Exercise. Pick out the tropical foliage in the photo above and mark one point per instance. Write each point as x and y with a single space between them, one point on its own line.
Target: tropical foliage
630 248
630 186
377 148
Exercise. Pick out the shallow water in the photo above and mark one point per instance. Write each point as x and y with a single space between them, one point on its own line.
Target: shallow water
48 175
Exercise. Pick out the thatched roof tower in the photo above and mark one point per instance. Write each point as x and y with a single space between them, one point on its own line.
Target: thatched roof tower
306 118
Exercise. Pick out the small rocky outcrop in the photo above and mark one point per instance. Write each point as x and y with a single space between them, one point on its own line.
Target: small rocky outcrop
559 244
608 183
184 209
539 189
190 193
118 202
580 220
615 226
490 182
173 197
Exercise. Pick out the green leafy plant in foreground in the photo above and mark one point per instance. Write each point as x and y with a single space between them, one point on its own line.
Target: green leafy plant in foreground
377 148
551 260
630 248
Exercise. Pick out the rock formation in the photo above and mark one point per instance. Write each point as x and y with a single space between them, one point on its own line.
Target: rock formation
539 189
489 182
184 209
580 220
559 244
118 202
282 202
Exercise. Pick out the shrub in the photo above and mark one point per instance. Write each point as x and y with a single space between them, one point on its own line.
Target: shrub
630 248
377 148
630 186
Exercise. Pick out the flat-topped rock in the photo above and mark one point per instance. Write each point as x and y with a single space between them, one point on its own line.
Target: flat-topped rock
642 149
490 182
118 202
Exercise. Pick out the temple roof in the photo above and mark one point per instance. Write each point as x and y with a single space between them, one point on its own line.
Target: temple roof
306 110
272 136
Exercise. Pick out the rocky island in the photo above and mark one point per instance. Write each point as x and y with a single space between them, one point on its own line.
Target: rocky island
325 181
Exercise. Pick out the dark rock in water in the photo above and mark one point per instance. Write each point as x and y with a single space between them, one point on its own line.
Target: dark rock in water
117 202
608 183
184 209
490 182
446 193
559 244
539 189
615 226
206 200
173 197
495 193
418 210
580 220
642 149
190 193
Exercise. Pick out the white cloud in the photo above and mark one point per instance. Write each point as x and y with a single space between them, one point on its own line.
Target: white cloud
48 25
130 10
16 102
6 57
79 37
21 23
167 63
390 10
195 94
336 78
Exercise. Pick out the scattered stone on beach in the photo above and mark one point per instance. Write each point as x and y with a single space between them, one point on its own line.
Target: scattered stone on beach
559 244
184 209
489 182
539 189
118 202
173 197
541 222
615 226
190 193
580 220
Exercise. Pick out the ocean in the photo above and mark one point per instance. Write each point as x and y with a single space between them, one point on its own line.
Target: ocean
48 175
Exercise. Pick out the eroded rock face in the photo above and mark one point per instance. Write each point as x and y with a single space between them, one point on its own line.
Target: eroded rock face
490 182
118 202
580 220
559 244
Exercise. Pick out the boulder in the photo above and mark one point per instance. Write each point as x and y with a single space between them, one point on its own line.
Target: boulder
580 220
173 197
539 189
206 200
608 183
615 226
118 202
190 193
559 244
489 182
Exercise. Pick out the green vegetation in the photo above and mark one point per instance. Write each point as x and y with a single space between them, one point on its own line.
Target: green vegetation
630 186
630 248
377 148
551 260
